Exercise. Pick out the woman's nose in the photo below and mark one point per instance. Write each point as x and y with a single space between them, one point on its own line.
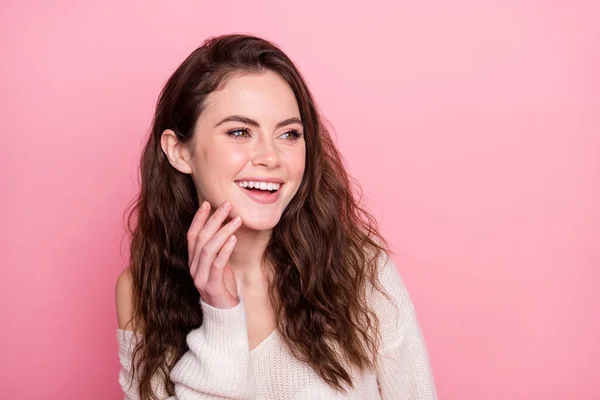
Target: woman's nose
265 154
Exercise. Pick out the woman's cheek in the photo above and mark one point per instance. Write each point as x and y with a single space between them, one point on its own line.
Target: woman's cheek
236 157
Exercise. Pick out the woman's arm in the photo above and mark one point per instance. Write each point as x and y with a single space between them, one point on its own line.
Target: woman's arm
127 338
216 366
403 369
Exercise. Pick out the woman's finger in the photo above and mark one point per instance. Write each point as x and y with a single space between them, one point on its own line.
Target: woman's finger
206 232
215 285
210 250
196 226
216 220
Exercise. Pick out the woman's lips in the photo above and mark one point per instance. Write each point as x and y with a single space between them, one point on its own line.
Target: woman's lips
262 196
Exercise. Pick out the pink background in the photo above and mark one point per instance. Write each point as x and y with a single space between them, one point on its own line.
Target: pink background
473 127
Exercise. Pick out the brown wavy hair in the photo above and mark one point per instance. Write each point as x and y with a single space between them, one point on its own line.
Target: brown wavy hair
324 249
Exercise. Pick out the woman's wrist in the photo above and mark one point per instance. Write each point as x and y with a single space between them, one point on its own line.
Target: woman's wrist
222 328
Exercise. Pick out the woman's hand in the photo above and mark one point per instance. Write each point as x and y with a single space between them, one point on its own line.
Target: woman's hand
209 249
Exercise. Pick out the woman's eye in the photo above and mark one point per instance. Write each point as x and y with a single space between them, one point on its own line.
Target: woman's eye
293 135
241 132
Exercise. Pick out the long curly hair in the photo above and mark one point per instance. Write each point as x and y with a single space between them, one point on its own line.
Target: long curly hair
324 250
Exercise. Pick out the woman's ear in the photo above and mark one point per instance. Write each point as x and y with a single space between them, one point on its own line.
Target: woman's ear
177 152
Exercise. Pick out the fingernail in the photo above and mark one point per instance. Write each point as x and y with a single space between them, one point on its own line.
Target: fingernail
237 220
232 239
226 205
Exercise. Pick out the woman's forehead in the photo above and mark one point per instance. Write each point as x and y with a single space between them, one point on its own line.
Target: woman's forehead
264 97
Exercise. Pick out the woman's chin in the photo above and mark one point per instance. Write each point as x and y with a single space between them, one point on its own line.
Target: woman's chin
265 224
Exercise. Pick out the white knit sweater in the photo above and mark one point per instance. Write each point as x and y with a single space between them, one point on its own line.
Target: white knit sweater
219 364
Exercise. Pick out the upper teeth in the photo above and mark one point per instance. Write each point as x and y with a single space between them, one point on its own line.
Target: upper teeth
259 185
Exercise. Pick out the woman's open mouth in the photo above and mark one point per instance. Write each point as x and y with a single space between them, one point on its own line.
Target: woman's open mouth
261 192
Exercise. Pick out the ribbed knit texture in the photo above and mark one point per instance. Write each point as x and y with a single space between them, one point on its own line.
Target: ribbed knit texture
219 364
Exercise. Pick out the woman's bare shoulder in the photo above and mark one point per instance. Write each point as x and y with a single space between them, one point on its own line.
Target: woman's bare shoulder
124 299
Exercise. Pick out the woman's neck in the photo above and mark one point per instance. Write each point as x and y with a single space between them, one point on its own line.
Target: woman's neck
246 259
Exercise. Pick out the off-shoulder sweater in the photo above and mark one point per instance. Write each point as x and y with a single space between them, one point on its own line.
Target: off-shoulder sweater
220 365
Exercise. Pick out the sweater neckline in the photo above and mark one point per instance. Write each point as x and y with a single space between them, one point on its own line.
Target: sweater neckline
264 342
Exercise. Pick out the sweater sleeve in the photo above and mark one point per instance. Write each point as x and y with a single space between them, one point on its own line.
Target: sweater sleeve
403 368
217 364
127 341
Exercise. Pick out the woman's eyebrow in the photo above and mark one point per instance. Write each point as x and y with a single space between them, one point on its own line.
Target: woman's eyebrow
289 121
251 122
239 118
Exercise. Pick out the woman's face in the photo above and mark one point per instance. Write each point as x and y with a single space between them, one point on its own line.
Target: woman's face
250 138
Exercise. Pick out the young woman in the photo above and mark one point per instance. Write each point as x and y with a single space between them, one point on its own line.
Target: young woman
254 272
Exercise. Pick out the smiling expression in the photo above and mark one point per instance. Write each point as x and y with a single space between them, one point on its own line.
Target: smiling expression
249 148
